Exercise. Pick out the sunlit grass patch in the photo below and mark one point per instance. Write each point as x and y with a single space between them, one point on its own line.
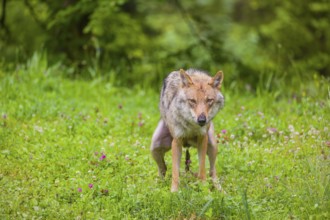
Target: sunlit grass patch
77 149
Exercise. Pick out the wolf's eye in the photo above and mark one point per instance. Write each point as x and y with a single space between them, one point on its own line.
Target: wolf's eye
192 101
209 101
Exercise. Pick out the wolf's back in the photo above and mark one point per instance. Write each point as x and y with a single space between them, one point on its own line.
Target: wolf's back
170 88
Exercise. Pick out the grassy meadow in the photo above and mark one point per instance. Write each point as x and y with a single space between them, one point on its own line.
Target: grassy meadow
75 149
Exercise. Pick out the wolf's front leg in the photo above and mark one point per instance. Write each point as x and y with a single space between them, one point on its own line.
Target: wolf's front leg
212 152
202 148
176 158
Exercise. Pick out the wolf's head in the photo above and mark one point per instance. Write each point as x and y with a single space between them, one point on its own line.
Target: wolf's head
200 96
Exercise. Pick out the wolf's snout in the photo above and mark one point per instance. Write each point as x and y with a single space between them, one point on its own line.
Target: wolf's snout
201 120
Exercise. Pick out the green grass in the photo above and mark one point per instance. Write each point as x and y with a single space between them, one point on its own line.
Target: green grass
273 160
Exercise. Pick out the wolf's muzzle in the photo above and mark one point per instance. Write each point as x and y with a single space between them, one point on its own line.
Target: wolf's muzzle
201 120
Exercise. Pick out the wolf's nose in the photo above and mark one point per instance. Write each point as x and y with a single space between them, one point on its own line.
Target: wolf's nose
201 120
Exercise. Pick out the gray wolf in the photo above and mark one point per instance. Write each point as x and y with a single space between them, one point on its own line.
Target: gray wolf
189 101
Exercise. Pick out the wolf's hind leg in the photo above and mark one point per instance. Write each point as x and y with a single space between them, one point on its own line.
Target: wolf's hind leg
160 144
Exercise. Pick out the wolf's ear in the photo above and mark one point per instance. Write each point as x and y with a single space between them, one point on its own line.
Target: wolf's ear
217 80
185 78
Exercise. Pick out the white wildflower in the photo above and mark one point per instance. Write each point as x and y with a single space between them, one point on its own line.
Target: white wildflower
291 128
39 129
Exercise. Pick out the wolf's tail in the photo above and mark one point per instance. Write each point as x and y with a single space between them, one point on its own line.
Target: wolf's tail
188 161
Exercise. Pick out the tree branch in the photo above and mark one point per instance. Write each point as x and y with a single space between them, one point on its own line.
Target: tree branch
3 17
192 27
34 15
3 12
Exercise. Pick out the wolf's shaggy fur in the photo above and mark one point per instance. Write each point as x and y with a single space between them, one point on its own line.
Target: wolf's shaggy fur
189 101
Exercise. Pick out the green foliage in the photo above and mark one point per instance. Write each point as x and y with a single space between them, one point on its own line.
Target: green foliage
71 149
295 34
134 42
23 36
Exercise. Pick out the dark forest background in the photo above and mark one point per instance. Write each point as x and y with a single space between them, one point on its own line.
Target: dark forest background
135 42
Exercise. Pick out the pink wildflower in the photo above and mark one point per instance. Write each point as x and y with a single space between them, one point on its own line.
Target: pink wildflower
102 157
